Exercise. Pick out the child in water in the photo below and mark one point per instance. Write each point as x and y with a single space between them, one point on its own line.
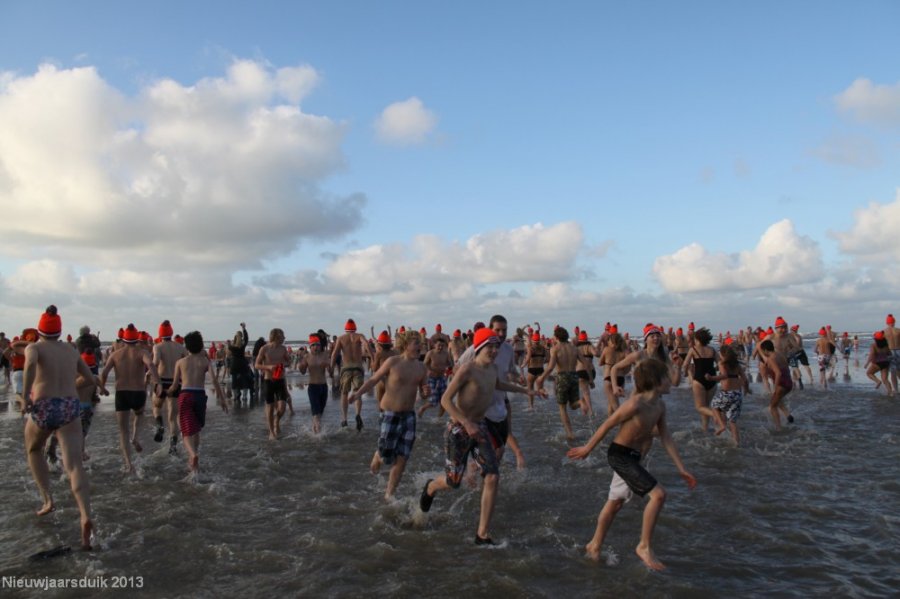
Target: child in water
731 392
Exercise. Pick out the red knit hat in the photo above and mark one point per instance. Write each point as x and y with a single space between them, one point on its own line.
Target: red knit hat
582 337
879 335
384 338
130 334
314 340
457 334
401 330
121 334
890 320
89 358
780 322
50 324
679 332
614 329
438 328
650 329
691 326
822 332
350 327
180 340
795 327
165 330
484 336
536 337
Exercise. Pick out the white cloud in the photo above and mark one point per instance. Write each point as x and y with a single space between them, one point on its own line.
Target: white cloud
849 150
874 237
871 103
405 123
224 172
781 258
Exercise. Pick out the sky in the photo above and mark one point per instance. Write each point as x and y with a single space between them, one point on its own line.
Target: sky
295 164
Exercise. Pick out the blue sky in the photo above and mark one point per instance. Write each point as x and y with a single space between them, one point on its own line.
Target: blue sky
579 163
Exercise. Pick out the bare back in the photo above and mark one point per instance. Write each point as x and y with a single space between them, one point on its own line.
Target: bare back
55 366
130 363
566 356
192 370
350 347
165 355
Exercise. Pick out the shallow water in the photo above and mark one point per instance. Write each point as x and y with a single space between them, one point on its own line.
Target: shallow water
812 509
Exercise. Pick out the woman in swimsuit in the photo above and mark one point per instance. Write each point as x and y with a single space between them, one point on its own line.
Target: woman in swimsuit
614 352
703 357
585 372
535 358
653 348
879 360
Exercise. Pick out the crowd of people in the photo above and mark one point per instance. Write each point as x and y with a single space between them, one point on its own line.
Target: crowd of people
466 375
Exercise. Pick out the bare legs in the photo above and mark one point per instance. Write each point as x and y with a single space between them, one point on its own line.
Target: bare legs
127 436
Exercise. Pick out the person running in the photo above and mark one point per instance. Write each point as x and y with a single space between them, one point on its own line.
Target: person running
51 401
879 361
777 363
824 355
242 379
564 359
189 385
271 361
614 351
439 362
130 362
165 354
730 397
585 372
468 397
892 334
703 359
316 362
653 348
535 359
404 375
639 416
347 355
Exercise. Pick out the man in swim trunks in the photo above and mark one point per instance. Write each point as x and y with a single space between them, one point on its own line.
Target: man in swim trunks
404 376
51 398
130 362
189 384
564 358
271 361
165 354
640 417
438 362
467 399
350 349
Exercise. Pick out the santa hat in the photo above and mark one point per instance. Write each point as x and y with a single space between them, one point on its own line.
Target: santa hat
384 338
130 334
180 340
484 336
50 324
350 327
401 330
165 330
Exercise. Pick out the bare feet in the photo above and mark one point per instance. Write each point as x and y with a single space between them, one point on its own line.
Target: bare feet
194 463
720 430
137 445
87 530
649 558
46 508
592 551
375 466
273 437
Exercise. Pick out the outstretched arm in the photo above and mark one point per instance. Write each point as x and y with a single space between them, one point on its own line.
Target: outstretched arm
622 413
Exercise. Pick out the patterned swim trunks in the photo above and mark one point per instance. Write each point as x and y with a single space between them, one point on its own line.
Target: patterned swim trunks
398 434
51 413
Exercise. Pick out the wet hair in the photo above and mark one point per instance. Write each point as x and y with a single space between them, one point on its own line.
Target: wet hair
729 359
618 342
561 333
767 345
649 374
193 341
405 338
703 336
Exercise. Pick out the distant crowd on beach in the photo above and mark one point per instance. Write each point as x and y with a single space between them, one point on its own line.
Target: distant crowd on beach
467 375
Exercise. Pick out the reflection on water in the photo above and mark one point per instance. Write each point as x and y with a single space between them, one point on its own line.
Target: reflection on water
811 509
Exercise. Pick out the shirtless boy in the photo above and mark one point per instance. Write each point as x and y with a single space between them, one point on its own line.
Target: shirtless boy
404 376
51 399
564 358
189 385
165 355
271 361
638 416
472 388
316 362
131 362
824 355
350 348
438 361
777 363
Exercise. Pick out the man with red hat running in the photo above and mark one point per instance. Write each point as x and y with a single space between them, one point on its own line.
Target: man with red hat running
51 398
351 348
130 362
166 354
472 388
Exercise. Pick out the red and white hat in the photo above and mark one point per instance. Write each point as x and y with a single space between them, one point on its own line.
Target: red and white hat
485 336
350 327
50 324
165 330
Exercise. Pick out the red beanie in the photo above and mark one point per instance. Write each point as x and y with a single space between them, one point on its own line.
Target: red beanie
89 358
130 334
350 327
314 340
50 324
384 338
780 322
614 329
582 337
483 336
890 320
457 334
165 330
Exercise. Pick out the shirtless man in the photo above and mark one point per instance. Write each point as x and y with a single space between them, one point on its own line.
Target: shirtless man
189 385
130 362
565 359
316 362
892 334
51 399
457 345
350 348
404 376
271 361
472 388
776 363
165 355
438 361
384 350
825 356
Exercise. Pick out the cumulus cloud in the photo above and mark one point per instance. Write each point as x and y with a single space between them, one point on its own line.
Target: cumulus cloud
405 123
781 258
222 173
528 253
873 237
871 103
